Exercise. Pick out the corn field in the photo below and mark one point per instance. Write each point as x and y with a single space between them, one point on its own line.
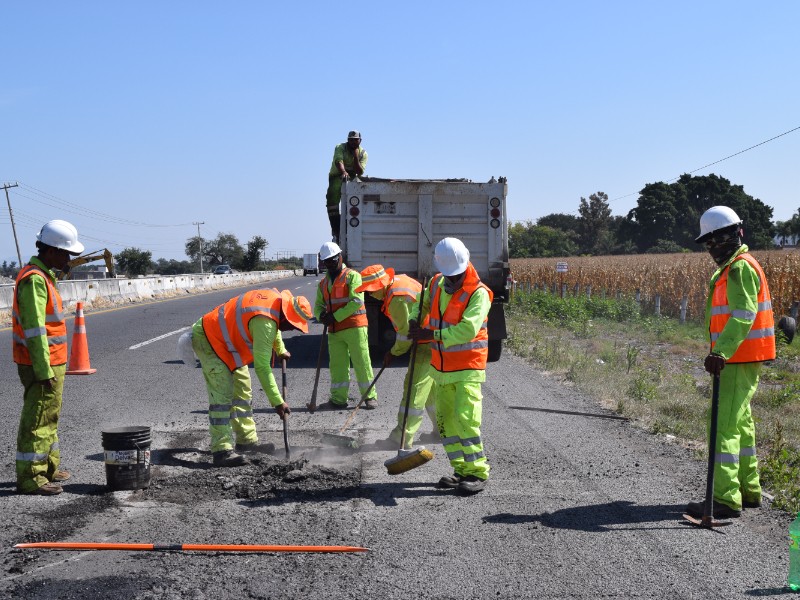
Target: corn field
672 277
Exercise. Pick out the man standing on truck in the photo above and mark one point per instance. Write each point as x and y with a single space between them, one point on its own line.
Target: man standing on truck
398 294
39 341
341 308
349 161
227 339
457 305
742 335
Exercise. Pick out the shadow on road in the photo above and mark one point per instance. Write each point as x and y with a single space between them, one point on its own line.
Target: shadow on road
570 412
612 516
770 591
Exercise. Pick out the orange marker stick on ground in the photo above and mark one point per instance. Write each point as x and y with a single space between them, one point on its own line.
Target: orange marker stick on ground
186 547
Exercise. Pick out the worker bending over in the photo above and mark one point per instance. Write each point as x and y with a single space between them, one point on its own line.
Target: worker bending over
341 308
39 341
226 340
399 293
457 304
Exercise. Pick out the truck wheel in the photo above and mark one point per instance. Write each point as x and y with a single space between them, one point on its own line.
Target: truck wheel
495 350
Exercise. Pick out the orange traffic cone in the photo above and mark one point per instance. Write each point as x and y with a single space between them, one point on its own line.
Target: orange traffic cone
79 350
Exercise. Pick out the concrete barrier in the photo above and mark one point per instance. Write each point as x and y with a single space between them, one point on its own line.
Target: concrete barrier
117 291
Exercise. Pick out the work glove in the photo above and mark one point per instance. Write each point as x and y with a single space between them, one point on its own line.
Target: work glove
714 364
419 334
285 356
327 318
387 359
283 410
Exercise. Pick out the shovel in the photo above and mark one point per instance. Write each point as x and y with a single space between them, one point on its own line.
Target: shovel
312 406
345 441
285 416
707 520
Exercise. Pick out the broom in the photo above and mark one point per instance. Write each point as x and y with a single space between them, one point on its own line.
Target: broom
409 459
344 440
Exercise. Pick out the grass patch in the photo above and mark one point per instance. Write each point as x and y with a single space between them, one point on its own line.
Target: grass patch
650 369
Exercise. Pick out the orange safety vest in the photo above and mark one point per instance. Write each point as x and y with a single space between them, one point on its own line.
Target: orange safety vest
55 326
759 345
461 357
403 285
337 297
227 326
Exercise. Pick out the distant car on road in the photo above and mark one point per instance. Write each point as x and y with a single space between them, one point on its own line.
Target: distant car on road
222 269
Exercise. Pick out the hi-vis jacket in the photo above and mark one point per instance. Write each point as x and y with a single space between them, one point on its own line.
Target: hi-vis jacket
227 326
46 338
398 300
471 355
734 298
341 293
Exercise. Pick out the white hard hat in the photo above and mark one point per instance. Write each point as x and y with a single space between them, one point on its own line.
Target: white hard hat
451 256
329 250
716 218
60 234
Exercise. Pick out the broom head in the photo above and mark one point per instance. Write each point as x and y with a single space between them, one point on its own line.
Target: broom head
407 460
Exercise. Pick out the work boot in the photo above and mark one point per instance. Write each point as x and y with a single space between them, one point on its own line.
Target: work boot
48 489
450 481
721 511
256 447
60 476
330 405
370 403
752 502
471 484
229 458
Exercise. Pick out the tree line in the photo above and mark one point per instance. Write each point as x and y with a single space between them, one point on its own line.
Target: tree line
666 219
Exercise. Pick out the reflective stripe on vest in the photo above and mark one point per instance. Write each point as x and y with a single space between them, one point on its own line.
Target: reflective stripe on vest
759 344
55 327
337 297
227 326
461 357
405 287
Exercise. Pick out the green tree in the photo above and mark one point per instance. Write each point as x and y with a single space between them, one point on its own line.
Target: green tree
561 221
594 223
174 267
252 256
672 211
224 249
133 261
192 248
526 240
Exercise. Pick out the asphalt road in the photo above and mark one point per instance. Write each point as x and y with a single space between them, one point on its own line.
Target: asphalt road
579 505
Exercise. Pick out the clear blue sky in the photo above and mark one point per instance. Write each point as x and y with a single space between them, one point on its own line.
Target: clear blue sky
123 116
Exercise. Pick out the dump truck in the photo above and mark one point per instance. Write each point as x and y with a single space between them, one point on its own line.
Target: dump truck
398 222
311 264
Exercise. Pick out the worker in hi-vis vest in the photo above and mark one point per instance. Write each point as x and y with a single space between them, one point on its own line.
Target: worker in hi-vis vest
39 342
742 336
226 340
457 305
341 308
398 293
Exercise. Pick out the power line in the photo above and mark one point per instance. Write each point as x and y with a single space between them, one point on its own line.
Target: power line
718 161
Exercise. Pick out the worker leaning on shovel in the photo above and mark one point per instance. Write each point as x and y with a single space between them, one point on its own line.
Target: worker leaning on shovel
398 294
39 343
341 308
458 307
226 340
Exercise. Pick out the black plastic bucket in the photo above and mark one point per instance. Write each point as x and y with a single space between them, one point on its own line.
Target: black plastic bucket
126 453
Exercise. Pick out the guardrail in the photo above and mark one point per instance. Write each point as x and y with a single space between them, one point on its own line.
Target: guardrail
117 291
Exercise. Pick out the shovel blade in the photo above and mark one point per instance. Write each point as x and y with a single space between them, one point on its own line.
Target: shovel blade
706 522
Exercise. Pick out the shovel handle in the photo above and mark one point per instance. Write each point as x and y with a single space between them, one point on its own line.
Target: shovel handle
412 359
312 406
285 418
708 509
360 402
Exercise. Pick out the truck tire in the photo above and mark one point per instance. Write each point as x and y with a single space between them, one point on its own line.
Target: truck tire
495 350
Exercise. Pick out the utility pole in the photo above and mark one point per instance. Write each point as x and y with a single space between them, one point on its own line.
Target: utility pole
11 216
199 241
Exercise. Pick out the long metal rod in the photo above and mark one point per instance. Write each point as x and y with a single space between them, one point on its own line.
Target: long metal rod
186 547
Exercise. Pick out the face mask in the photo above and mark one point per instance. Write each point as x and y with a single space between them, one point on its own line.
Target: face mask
450 286
722 247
